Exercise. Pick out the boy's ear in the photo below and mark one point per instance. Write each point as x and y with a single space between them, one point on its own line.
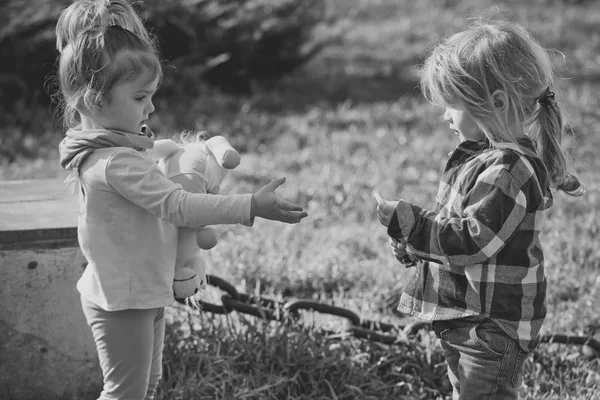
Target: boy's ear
500 99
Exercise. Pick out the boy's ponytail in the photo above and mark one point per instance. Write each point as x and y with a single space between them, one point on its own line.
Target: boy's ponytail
550 128
467 69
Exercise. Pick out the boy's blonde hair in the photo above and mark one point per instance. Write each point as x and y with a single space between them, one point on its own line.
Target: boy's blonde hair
466 71
101 43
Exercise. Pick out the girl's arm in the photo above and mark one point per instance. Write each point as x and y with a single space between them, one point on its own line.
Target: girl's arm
140 181
492 211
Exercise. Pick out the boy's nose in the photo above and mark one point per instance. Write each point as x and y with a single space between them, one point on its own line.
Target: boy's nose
447 116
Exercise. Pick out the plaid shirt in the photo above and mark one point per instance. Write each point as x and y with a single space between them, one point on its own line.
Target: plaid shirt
478 250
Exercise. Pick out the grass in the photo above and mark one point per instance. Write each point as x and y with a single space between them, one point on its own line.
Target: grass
349 123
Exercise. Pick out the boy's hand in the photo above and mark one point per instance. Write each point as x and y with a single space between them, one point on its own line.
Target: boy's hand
385 209
397 249
269 205
401 255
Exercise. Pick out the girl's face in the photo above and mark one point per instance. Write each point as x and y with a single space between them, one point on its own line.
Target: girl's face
128 105
463 124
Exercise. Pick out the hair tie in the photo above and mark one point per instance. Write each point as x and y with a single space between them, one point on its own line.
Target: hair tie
544 99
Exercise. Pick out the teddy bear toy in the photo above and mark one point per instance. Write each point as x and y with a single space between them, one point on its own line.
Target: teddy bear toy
199 162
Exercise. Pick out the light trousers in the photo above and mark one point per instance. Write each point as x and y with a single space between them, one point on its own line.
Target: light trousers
129 345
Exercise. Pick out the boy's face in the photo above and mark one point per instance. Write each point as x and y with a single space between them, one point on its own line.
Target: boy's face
463 124
128 105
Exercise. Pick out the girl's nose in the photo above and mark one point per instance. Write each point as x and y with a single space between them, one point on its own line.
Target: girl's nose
151 107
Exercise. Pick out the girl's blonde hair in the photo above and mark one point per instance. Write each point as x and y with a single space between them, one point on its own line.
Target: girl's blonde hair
101 43
466 71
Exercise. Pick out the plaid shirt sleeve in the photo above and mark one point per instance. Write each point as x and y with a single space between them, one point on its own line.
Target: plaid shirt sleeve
471 226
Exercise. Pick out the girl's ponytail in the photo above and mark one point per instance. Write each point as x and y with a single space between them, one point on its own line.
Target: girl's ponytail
548 127
95 17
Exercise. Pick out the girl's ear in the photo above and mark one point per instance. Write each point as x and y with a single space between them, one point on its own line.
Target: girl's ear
500 99
92 101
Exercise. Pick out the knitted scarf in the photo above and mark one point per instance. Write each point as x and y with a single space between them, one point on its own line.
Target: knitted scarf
78 144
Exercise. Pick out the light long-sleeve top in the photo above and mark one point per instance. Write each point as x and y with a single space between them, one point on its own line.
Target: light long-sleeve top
128 217
479 248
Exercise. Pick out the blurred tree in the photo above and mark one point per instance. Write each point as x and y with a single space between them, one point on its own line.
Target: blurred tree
27 48
236 42
228 43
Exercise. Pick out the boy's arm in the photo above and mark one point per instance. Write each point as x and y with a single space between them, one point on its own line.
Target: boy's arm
494 209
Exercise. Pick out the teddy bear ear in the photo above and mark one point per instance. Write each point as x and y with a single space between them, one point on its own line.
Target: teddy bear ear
163 148
224 153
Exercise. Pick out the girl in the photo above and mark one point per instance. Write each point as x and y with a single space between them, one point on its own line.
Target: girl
108 72
479 273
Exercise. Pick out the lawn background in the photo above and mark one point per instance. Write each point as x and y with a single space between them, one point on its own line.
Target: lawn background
350 122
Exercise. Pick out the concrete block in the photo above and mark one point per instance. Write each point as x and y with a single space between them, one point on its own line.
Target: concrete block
46 348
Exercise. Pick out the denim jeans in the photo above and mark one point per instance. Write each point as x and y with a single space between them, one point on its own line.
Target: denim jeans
483 362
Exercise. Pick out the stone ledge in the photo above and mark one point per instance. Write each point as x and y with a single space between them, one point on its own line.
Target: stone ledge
46 348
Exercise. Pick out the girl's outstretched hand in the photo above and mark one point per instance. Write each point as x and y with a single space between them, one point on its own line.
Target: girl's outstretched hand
385 209
269 205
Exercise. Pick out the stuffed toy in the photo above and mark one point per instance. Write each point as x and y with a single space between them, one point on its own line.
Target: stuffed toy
207 160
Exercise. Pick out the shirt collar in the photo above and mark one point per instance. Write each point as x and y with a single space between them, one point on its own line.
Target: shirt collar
472 146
